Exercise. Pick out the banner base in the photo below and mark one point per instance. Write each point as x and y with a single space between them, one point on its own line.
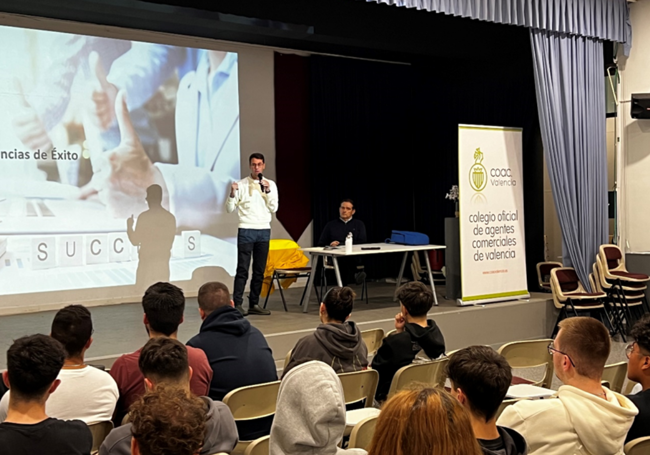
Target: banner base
505 298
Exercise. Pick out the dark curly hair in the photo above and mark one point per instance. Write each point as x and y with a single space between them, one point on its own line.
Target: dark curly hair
168 421
339 302
641 333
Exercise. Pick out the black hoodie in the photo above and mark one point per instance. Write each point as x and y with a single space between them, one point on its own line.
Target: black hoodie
400 350
238 352
513 443
338 345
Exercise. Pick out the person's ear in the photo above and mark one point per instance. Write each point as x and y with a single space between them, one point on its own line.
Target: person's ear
232 303
182 319
145 320
191 373
646 362
88 343
347 317
5 378
201 314
403 309
54 386
321 309
353 212
135 450
148 385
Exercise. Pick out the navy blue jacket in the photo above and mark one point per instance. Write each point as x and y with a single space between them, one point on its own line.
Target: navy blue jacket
238 352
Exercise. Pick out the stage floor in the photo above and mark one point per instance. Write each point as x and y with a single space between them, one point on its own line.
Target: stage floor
119 328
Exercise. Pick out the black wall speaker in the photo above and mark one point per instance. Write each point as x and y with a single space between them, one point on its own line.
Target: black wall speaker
640 106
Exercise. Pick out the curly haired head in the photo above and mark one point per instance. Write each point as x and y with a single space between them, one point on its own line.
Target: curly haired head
168 421
641 333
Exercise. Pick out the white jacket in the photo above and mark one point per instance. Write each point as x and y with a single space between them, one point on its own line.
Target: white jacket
254 206
574 423
310 413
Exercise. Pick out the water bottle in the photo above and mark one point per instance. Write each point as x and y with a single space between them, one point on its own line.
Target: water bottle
348 243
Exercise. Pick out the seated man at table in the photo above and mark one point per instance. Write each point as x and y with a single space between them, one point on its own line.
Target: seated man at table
480 378
335 233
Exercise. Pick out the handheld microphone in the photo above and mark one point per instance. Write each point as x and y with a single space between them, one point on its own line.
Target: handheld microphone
260 176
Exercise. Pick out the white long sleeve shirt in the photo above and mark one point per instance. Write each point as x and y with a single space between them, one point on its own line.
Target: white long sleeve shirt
253 206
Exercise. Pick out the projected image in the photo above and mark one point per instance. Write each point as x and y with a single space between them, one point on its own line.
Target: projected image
114 154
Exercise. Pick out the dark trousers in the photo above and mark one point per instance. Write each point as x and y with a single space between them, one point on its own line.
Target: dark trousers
251 242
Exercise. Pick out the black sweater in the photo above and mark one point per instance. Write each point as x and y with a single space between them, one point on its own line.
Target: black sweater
400 350
338 230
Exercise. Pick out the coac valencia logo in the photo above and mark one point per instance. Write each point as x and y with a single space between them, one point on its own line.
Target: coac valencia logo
478 177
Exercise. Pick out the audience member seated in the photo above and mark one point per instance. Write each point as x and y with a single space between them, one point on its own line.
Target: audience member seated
480 378
238 352
423 421
33 364
638 369
310 413
167 421
337 341
163 363
163 305
414 333
85 393
335 233
586 417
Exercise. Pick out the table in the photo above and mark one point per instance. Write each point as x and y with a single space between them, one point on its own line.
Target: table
359 250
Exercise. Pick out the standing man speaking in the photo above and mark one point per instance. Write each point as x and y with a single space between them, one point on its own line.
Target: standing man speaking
256 199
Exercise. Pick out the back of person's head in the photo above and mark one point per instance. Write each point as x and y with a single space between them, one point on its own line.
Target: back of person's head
423 421
168 421
416 297
213 295
586 341
154 194
483 375
33 364
164 360
310 411
339 303
163 304
72 327
640 333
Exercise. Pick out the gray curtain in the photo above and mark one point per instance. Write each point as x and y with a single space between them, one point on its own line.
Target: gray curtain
571 104
603 19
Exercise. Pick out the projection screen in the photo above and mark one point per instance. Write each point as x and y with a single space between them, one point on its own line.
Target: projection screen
89 128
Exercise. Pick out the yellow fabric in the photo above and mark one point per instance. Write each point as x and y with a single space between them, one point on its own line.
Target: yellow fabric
283 254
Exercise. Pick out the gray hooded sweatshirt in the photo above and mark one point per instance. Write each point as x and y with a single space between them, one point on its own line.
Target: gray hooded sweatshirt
220 433
310 413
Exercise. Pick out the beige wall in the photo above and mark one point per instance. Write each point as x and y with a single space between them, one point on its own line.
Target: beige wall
257 130
634 213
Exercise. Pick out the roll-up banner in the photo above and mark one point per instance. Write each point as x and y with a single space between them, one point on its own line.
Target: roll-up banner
492 244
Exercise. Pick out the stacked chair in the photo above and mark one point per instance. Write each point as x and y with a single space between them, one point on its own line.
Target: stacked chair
618 308
572 299
544 274
625 289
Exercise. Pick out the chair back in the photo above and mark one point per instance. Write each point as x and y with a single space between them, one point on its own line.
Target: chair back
252 402
611 257
639 446
258 447
372 338
530 354
99 430
362 433
433 373
359 385
615 374
544 273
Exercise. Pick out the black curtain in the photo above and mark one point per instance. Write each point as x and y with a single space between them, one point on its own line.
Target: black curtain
386 135
362 136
